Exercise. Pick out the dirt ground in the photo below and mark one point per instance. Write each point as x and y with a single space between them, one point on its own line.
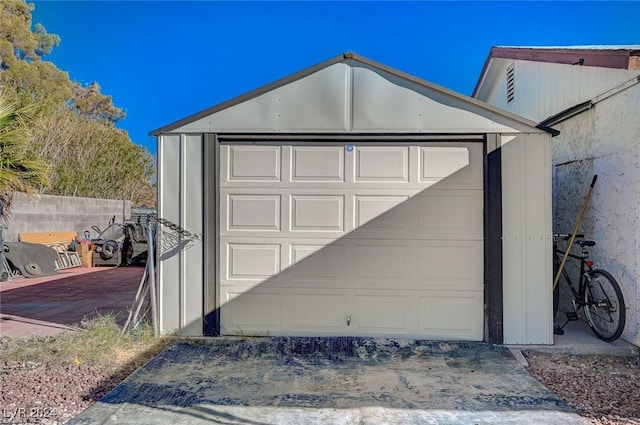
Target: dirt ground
604 389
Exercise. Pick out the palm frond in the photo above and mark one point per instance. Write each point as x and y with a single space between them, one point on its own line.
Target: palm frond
19 172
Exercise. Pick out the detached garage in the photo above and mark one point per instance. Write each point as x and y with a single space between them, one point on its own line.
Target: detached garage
353 199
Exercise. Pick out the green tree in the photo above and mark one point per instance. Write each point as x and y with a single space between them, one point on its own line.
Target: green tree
31 79
89 102
114 168
72 127
16 33
24 77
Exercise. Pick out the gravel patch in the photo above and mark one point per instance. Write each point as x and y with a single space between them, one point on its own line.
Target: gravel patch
52 394
53 391
604 389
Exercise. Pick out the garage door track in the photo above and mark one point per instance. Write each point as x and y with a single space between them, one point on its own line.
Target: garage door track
330 380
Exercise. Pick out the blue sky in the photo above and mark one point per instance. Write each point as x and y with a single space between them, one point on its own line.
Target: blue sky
162 61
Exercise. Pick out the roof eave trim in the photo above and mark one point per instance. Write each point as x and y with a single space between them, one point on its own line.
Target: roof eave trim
567 113
548 129
483 73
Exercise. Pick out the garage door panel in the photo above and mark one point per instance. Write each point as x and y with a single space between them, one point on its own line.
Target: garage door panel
250 312
438 163
317 311
318 213
253 261
450 214
451 314
382 213
251 163
253 212
381 313
451 265
382 164
317 164
459 167
380 263
316 263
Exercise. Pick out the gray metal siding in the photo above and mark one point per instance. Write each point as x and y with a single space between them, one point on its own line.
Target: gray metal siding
526 212
168 208
180 268
191 260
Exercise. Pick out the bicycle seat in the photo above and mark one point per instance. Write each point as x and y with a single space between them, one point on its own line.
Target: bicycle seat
585 243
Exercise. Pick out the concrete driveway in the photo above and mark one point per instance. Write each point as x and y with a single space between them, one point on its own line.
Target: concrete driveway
330 381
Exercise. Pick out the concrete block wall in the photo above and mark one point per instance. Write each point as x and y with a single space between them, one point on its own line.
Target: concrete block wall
48 213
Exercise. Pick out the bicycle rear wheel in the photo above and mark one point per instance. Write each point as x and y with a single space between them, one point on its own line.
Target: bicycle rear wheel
604 306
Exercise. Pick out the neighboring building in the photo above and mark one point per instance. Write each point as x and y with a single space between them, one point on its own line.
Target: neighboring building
353 199
591 94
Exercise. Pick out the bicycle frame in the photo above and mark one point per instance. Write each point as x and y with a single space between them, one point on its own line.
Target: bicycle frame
585 268
598 293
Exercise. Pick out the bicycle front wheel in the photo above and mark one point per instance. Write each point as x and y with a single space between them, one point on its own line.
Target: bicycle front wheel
604 306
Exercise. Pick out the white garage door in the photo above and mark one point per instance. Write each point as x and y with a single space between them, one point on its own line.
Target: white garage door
364 239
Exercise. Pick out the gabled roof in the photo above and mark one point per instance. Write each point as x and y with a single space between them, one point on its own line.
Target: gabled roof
349 87
604 56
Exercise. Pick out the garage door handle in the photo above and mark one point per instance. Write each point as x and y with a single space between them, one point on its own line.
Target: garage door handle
348 320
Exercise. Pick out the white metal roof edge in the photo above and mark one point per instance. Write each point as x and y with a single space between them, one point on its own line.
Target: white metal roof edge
342 58
583 47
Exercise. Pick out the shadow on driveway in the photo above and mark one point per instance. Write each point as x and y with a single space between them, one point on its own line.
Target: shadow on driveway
330 380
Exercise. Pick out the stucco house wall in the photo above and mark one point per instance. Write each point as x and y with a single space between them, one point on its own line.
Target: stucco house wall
604 140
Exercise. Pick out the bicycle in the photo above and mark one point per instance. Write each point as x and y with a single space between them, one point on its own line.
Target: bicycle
598 293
